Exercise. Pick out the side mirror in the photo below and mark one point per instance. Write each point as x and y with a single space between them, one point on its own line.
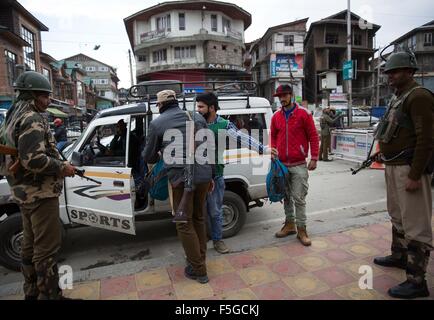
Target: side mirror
77 159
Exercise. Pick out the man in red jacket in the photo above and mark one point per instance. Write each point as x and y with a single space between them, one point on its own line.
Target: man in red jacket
293 132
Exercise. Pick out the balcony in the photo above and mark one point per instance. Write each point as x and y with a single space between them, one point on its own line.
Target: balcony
152 35
233 34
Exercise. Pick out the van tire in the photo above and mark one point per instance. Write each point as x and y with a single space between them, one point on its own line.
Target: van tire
10 230
234 214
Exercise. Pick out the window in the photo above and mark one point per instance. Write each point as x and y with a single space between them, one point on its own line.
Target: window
163 23
159 55
427 39
182 21
332 38
412 43
105 69
214 22
142 58
104 81
29 52
185 52
226 24
11 61
91 69
224 48
105 148
357 39
102 93
251 124
288 40
46 73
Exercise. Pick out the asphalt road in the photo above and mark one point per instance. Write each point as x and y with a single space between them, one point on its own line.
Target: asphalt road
336 201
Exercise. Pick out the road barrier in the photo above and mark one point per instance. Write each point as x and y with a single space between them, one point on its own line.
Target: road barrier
351 144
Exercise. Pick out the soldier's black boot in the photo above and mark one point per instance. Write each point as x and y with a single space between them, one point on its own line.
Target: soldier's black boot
30 288
415 286
398 258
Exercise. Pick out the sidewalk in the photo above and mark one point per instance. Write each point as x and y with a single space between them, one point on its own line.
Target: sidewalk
326 270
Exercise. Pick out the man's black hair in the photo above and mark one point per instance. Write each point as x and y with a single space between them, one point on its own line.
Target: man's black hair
210 99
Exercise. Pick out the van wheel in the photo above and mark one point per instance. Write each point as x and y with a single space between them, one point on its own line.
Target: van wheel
11 237
234 214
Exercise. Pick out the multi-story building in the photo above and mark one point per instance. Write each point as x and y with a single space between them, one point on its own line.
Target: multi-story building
102 76
326 52
200 40
421 41
20 46
278 58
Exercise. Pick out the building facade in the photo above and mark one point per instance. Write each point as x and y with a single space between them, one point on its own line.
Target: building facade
189 41
421 42
326 52
278 58
20 46
102 76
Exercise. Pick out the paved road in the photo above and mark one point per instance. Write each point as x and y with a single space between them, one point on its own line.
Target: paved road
336 201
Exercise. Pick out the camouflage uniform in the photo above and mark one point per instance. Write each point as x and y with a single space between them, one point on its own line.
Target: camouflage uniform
36 188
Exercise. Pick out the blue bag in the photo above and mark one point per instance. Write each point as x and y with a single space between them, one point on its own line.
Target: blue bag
276 180
158 182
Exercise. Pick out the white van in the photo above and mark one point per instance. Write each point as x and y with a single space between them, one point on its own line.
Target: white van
111 205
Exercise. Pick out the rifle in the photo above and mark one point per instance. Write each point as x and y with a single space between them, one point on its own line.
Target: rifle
6 150
79 172
367 163
181 211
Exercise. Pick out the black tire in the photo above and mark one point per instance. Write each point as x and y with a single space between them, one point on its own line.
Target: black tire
234 214
10 242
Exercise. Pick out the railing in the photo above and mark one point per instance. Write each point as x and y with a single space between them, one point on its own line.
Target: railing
233 34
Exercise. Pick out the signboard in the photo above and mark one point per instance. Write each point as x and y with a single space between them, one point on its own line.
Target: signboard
225 67
351 145
280 65
348 70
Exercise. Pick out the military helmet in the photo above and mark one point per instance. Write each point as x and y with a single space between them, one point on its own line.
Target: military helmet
32 81
401 60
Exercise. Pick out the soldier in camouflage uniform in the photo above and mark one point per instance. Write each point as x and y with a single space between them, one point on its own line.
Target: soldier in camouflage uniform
37 185
406 136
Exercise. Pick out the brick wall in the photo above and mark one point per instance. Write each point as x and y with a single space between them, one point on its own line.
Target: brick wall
223 53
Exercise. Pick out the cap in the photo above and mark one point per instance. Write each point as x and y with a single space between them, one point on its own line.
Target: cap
166 95
283 89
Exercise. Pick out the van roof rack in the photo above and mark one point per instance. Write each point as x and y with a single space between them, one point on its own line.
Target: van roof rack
241 90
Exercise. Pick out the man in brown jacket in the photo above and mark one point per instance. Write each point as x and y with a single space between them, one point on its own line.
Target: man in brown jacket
406 146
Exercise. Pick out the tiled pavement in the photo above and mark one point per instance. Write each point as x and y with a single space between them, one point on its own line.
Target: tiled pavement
329 269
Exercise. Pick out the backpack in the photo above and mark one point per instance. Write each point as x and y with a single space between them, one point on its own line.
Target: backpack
158 181
276 180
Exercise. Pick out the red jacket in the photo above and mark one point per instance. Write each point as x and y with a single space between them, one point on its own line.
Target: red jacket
292 137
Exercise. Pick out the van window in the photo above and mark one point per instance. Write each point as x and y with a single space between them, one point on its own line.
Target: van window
106 146
253 124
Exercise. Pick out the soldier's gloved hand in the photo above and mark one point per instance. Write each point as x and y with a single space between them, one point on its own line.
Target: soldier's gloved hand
68 170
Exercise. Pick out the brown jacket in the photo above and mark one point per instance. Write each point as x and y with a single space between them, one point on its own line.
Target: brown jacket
419 106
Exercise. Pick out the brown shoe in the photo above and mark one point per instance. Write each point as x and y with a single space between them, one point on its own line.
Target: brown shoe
287 229
303 237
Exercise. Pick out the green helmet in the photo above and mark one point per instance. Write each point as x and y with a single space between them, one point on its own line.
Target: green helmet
401 60
32 81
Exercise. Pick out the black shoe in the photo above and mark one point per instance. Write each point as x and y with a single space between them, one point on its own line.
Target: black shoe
409 290
389 261
189 273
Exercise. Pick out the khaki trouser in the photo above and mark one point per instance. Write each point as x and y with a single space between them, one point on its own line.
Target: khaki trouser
193 233
410 212
296 189
42 238
325 147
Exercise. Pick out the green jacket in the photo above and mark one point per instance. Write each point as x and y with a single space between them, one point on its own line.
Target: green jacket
220 124
326 122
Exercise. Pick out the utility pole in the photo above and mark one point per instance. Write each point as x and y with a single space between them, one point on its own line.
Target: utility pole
378 76
131 68
350 81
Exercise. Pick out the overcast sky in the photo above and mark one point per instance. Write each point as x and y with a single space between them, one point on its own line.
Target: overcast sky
77 26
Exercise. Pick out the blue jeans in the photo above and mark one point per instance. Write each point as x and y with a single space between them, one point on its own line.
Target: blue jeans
214 206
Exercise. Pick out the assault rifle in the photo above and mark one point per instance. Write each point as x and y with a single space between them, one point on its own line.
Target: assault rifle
367 163
12 152
80 173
